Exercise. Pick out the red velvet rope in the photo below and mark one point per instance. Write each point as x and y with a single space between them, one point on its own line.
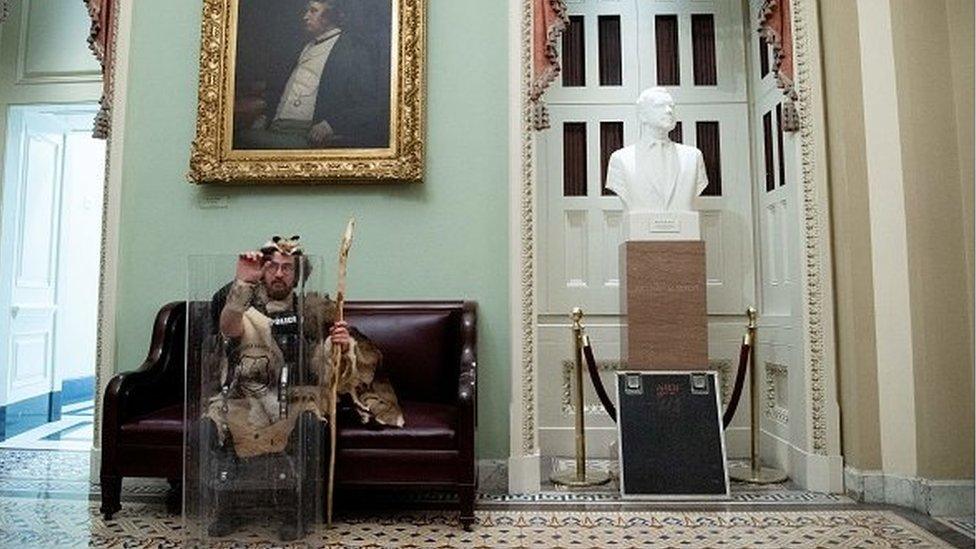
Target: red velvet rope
740 376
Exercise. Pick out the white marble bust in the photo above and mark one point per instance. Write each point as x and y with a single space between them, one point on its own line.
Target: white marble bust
656 174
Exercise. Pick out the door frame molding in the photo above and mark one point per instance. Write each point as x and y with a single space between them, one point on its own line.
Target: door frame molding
111 215
815 460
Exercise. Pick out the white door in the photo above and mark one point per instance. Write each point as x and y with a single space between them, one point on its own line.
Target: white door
777 225
778 349
29 251
49 234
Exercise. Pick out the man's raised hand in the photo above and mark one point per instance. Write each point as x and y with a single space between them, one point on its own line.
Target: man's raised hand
249 265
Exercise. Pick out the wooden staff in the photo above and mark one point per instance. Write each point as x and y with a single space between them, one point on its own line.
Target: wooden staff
337 362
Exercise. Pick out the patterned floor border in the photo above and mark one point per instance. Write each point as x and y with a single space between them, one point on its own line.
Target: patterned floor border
47 500
742 496
48 523
149 490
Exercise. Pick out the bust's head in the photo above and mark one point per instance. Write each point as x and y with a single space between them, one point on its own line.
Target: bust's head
655 108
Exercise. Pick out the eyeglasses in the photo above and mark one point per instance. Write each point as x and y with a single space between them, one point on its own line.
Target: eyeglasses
286 268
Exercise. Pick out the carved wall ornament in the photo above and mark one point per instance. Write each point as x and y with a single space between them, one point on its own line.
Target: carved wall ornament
812 235
241 139
772 409
101 42
549 20
594 406
726 377
776 26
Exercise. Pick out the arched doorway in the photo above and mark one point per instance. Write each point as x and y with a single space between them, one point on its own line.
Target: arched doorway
769 242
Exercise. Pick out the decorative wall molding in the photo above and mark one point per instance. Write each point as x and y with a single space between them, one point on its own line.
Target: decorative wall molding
550 18
566 394
4 10
812 229
26 77
527 242
772 409
101 41
117 76
726 377
775 27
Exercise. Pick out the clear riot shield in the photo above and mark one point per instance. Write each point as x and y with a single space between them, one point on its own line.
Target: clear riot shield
254 424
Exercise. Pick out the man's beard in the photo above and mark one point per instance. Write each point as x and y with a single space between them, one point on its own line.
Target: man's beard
278 290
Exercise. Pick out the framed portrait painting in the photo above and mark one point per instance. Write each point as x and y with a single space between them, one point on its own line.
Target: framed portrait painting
310 91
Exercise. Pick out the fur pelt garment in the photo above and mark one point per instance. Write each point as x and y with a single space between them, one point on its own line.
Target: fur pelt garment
251 365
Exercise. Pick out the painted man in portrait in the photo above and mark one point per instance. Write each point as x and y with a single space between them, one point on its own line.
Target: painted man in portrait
332 93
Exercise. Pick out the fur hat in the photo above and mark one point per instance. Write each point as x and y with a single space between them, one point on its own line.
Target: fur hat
285 246
289 247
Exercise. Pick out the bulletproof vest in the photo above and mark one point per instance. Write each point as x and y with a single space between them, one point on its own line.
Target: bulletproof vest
286 332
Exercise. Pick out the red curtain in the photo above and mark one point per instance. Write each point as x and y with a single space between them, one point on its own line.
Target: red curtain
102 43
776 27
549 18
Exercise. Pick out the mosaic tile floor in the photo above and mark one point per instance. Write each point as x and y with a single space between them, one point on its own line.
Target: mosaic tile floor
50 523
46 500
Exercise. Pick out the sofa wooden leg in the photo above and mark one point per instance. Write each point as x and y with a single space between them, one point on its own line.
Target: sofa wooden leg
174 497
466 496
111 496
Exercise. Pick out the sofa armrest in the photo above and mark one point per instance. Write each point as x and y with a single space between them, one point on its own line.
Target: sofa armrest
157 382
468 387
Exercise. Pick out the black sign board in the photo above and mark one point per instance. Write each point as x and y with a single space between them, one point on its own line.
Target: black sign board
671 441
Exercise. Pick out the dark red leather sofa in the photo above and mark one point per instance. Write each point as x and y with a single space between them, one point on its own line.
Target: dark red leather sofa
430 352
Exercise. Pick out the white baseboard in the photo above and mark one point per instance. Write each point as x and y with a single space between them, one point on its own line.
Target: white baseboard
938 498
524 474
814 472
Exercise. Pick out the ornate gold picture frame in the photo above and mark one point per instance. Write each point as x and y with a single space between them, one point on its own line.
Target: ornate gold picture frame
310 91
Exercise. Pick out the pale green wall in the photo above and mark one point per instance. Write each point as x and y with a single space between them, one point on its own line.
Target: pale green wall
443 239
57 32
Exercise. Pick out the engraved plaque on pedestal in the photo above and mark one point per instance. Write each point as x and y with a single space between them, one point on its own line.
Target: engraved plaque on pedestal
644 225
662 297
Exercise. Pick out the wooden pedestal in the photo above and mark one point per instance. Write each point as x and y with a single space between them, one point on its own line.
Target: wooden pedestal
662 296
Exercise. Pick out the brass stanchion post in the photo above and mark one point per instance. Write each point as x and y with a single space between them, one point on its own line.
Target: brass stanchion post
580 477
754 473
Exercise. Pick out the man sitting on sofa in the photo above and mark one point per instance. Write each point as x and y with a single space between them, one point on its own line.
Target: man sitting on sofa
262 395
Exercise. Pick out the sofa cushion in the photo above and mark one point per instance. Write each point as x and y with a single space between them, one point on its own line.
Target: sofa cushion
164 427
427 426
